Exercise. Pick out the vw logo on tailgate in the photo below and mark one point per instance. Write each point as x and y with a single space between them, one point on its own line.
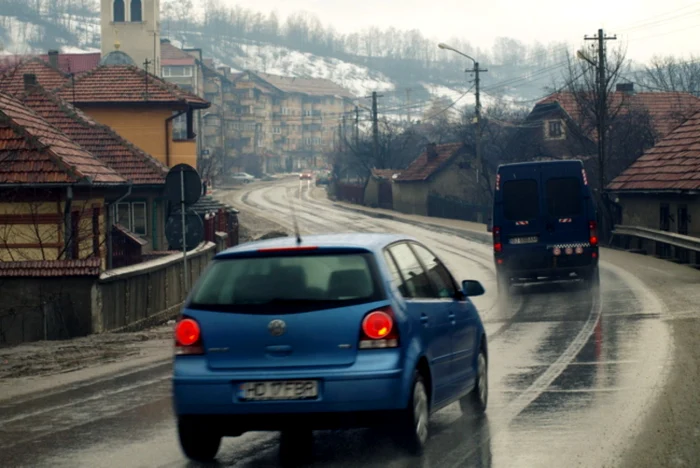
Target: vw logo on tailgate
277 327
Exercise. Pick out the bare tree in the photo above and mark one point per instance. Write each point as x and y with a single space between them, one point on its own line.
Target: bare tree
671 74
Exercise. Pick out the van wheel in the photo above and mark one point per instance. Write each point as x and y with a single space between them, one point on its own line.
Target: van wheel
413 429
197 442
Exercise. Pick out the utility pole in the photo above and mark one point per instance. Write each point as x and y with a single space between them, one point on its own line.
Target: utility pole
408 104
602 102
479 128
145 66
357 127
375 124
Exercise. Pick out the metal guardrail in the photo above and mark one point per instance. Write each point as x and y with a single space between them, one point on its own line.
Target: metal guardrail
671 238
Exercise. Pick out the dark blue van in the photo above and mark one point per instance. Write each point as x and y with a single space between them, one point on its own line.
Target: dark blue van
544 223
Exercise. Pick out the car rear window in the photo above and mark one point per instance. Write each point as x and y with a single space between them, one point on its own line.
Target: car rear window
288 283
521 200
564 197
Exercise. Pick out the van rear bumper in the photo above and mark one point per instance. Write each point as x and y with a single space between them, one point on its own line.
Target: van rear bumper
547 265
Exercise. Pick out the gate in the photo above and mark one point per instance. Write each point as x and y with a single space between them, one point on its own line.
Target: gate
386 195
454 208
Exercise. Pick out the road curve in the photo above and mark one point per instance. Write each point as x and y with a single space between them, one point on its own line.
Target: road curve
574 382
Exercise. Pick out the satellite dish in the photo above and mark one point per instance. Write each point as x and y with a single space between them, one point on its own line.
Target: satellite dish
194 230
193 184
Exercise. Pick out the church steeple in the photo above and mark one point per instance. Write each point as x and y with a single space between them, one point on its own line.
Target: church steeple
132 28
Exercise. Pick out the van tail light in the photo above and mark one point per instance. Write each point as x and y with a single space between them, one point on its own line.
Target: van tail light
497 244
188 338
379 330
593 233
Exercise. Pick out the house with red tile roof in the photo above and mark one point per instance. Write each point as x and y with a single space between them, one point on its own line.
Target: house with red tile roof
440 182
53 191
12 77
661 189
143 213
558 128
141 108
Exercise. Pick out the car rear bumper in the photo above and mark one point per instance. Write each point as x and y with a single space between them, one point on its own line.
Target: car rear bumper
373 384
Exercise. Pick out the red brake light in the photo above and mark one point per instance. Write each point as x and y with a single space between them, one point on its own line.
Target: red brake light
379 330
497 245
188 337
593 233
289 249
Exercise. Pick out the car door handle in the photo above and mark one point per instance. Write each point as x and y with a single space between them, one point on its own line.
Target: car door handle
424 319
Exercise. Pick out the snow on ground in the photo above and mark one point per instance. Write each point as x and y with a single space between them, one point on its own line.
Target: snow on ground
277 60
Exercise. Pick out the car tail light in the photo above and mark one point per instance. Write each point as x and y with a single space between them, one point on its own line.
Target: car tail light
188 337
379 330
497 244
593 233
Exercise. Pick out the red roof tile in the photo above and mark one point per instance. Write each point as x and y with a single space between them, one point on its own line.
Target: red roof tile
667 110
673 164
54 268
100 140
423 167
126 84
34 152
12 80
76 63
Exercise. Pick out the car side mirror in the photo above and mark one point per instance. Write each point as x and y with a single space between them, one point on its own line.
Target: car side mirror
472 288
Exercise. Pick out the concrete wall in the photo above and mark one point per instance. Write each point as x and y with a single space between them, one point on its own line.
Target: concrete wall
644 211
372 192
123 299
34 309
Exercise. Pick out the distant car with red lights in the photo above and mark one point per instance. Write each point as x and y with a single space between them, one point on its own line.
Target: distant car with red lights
306 175
332 332
545 224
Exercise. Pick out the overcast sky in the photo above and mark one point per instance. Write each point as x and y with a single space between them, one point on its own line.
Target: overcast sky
647 27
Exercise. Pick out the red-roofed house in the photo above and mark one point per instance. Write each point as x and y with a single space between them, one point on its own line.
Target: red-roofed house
661 190
53 191
557 129
143 211
12 77
140 107
441 179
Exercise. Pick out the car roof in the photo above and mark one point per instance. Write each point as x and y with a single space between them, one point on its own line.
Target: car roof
370 241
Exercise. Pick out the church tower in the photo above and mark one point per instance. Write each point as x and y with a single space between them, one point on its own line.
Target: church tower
134 27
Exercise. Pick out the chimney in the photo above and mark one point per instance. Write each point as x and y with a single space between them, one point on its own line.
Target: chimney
625 88
431 151
53 58
30 81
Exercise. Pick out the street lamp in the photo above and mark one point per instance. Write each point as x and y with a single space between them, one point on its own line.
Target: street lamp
477 81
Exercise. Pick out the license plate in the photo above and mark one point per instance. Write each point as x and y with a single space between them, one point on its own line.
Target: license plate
523 240
279 390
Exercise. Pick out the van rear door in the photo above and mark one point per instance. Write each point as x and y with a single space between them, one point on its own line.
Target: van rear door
565 204
518 213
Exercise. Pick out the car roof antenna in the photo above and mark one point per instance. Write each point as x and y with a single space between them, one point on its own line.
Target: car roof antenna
294 220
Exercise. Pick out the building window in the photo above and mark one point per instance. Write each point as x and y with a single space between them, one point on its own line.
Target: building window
277 130
136 11
554 129
119 11
180 127
132 216
172 72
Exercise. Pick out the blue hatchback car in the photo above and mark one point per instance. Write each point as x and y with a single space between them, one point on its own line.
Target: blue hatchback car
338 331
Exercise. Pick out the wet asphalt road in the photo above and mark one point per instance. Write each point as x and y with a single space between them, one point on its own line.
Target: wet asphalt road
570 378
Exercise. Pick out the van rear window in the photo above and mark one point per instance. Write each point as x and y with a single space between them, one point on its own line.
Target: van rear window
564 197
521 200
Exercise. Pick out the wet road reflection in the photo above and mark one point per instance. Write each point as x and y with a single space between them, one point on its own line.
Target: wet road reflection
570 378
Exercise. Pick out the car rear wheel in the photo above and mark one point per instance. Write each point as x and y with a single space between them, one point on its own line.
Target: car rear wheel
477 400
197 442
414 423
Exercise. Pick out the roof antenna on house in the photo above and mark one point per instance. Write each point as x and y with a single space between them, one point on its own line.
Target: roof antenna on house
297 234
